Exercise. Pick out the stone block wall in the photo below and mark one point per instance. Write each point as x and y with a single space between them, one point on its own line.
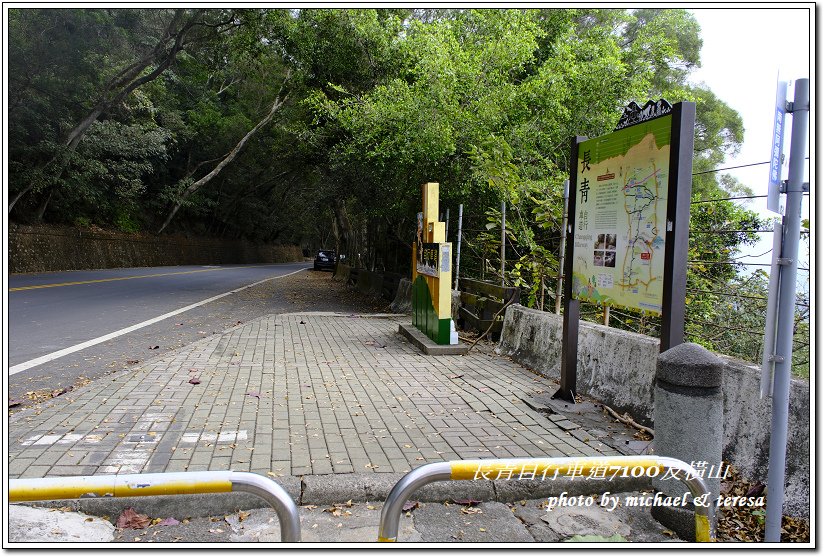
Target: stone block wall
34 249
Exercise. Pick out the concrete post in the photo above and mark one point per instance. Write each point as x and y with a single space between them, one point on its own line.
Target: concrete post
689 425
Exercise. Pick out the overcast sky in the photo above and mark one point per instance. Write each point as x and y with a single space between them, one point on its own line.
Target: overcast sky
743 52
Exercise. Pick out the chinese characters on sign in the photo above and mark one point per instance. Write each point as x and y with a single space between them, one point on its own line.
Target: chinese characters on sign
432 259
777 148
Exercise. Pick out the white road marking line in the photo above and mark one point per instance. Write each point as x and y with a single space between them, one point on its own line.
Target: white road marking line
48 440
131 455
70 438
77 347
190 438
220 437
66 439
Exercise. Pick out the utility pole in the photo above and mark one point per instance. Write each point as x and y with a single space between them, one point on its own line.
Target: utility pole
503 241
786 311
458 255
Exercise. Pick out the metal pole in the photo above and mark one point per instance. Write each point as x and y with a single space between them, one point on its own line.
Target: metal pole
276 496
559 287
772 313
446 228
503 241
168 483
542 292
786 312
458 255
392 508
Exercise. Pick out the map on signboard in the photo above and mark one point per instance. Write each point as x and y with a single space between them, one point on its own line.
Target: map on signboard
620 221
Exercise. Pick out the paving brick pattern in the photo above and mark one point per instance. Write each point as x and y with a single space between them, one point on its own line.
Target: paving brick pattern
309 393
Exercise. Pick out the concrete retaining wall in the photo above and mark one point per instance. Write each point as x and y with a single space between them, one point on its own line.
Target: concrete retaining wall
614 366
618 368
55 248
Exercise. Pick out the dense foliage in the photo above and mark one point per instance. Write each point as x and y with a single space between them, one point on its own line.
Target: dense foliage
317 126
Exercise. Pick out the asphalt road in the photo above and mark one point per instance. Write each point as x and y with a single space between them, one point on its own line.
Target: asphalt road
51 315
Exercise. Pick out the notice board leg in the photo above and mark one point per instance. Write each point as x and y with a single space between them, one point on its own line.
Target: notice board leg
569 351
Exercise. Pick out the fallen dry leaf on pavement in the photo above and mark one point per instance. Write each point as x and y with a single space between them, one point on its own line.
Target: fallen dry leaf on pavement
194 381
469 502
471 510
746 524
129 518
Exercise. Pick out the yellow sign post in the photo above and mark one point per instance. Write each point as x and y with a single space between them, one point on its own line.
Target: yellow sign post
432 273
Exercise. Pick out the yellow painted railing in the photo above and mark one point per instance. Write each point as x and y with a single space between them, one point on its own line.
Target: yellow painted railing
548 469
176 483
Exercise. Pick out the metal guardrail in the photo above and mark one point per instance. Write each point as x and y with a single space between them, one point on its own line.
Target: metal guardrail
173 483
539 468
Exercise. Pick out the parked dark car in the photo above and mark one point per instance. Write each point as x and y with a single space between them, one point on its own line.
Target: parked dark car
325 260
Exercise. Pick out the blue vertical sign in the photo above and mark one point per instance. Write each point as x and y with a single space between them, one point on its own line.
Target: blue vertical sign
777 147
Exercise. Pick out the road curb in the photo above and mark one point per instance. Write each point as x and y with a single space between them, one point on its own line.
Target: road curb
331 489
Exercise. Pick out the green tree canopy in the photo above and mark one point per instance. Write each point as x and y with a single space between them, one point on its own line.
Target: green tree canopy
317 126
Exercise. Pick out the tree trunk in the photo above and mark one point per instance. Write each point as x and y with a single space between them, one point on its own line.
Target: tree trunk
336 236
117 89
228 158
42 210
343 228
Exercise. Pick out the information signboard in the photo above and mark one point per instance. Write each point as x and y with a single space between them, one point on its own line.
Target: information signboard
628 233
621 216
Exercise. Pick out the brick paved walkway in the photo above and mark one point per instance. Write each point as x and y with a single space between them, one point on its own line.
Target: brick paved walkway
294 394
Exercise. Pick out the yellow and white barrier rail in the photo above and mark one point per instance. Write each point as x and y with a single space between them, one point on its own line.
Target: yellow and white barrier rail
175 483
549 469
